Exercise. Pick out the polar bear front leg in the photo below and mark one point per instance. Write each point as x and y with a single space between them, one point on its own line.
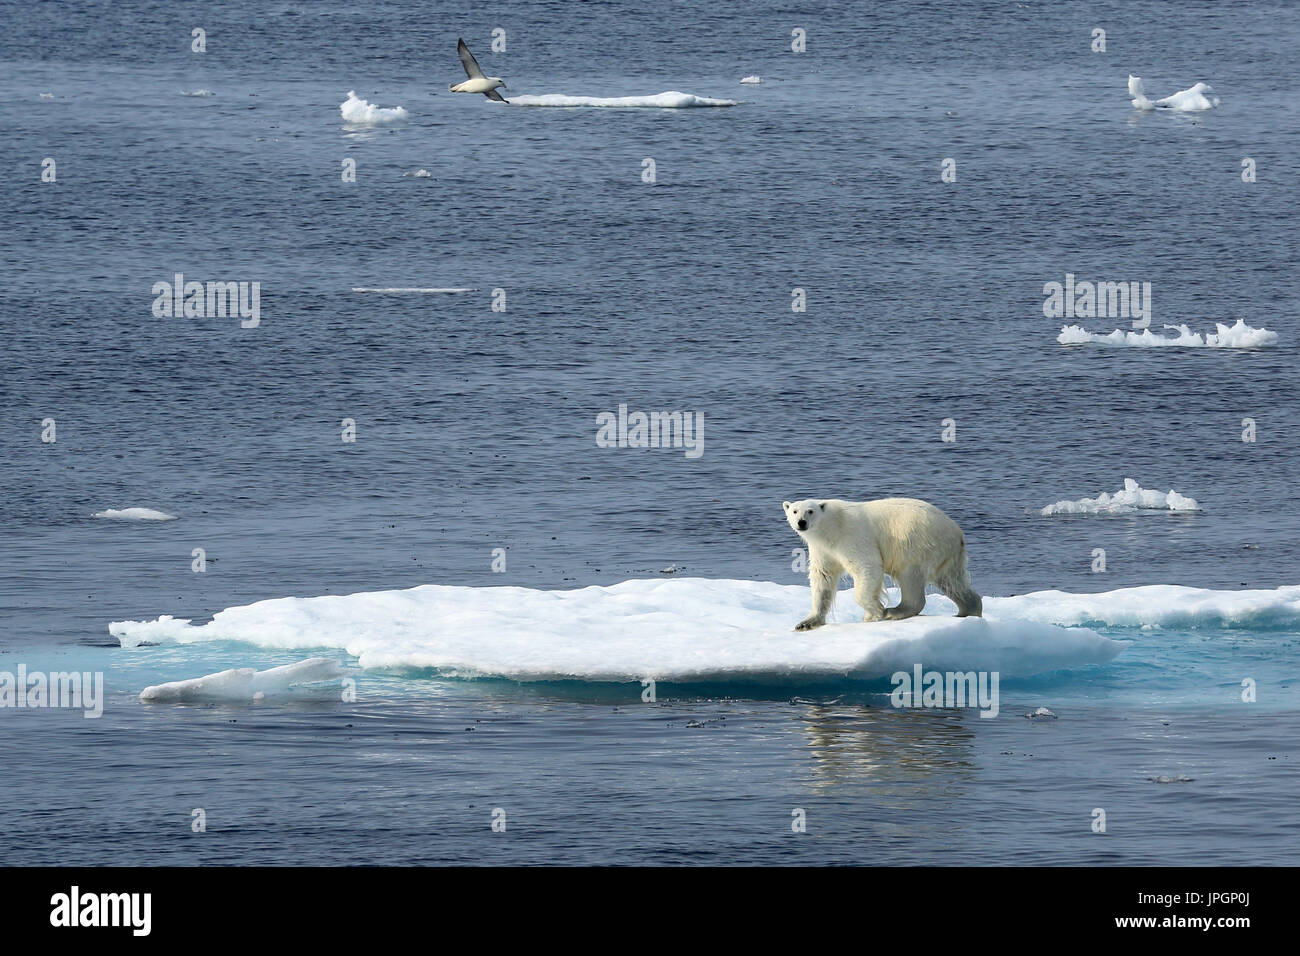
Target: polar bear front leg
868 582
823 576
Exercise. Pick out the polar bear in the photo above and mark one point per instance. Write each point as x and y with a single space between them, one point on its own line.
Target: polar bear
909 539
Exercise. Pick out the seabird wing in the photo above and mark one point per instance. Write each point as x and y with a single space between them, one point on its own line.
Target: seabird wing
494 95
468 62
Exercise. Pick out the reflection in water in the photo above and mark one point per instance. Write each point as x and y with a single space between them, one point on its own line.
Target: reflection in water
1137 117
895 752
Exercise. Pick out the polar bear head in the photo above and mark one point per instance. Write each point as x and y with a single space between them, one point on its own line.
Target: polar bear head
803 515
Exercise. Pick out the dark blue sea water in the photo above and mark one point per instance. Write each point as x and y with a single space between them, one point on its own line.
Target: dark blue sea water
475 428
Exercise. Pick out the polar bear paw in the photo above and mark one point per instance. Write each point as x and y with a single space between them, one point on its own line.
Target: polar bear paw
808 623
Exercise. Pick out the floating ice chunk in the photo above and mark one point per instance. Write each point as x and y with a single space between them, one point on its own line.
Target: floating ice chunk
1042 713
247 683
1135 90
691 629
134 514
1193 99
199 92
751 79
420 174
357 112
684 629
1238 336
406 290
1132 499
671 100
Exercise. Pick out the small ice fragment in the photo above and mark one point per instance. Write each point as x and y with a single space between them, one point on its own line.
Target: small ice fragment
134 514
357 112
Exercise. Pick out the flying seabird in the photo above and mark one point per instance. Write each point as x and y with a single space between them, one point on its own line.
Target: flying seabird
477 82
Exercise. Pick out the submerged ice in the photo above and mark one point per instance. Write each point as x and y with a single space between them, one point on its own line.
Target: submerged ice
247 683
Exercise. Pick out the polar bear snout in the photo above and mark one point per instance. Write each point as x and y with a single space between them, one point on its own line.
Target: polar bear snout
802 525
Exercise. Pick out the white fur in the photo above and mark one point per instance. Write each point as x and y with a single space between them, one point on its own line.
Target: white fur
910 540
480 84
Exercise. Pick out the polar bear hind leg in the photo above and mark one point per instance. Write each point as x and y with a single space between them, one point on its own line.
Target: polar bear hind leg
912 585
954 581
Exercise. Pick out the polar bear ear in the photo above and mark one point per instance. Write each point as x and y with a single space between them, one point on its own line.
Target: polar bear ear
785 505
823 506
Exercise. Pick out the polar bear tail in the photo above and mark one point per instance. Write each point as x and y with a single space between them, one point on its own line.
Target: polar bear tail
954 581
